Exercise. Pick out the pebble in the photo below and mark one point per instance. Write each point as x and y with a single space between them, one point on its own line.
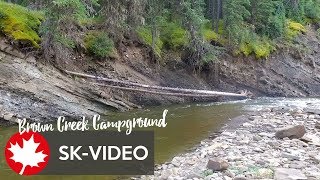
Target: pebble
254 151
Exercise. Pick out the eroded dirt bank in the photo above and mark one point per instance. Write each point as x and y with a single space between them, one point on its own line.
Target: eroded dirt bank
30 89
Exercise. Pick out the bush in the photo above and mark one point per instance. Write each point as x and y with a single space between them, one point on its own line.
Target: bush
146 36
174 36
293 29
251 43
209 35
99 44
19 23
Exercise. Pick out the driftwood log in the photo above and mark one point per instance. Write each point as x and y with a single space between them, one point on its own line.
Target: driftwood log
155 89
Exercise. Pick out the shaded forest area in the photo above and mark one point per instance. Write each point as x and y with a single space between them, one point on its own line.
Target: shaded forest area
198 30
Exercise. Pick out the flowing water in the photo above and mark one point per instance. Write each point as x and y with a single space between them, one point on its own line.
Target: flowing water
187 126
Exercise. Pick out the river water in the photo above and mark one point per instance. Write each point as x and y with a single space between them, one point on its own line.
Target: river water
188 124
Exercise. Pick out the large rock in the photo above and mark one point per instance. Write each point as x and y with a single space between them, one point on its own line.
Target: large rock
295 132
289 174
217 165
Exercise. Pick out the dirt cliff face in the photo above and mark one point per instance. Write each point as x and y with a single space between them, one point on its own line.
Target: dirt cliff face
30 89
294 72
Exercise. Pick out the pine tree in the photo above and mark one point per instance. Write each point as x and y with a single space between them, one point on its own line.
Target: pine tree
235 12
192 17
61 25
261 11
155 10
312 10
295 9
268 17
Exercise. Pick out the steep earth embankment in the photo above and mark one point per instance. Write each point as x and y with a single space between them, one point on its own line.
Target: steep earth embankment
30 89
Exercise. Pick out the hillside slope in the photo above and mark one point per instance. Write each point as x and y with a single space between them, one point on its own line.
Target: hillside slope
35 90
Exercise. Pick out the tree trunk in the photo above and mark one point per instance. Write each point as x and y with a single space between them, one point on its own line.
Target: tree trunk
218 15
194 91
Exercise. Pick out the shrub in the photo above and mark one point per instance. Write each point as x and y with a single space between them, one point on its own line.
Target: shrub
99 44
209 35
174 36
146 36
19 23
293 29
261 47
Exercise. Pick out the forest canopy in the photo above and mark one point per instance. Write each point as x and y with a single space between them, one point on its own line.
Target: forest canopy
199 28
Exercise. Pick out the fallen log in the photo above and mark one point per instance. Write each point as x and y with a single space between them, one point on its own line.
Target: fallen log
156 92
180 90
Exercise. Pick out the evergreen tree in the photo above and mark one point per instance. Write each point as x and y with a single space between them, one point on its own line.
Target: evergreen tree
295 9
268 17
261 11
61 24
312 10
276 22
155 10
235 12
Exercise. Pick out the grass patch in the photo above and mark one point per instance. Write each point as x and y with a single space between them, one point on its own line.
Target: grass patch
19 23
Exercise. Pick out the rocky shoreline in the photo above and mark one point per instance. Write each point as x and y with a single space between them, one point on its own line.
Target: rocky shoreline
279 143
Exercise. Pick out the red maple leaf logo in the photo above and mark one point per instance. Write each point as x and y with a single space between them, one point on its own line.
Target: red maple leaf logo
27 153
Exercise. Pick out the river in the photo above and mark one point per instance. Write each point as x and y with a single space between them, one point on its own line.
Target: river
188 124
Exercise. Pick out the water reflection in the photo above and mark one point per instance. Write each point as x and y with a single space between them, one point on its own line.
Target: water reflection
187 126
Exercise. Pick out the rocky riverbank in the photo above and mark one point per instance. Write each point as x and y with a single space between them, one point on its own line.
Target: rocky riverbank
279 143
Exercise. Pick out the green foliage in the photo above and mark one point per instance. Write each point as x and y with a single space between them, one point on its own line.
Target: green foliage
295 10
312 10
19 23
261 11
268 17
145 35
277 21
251 43
99 44
234 19
293 29
211 36
62 18
303 10
173 36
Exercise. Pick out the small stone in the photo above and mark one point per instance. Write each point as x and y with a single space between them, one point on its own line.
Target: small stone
165 174
295 132
257 149
289 174
261 162
240 178
217 165
269 135
312 116
317 125
264 173
247 125
8 116
311 139
176 161
290 156
257 138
